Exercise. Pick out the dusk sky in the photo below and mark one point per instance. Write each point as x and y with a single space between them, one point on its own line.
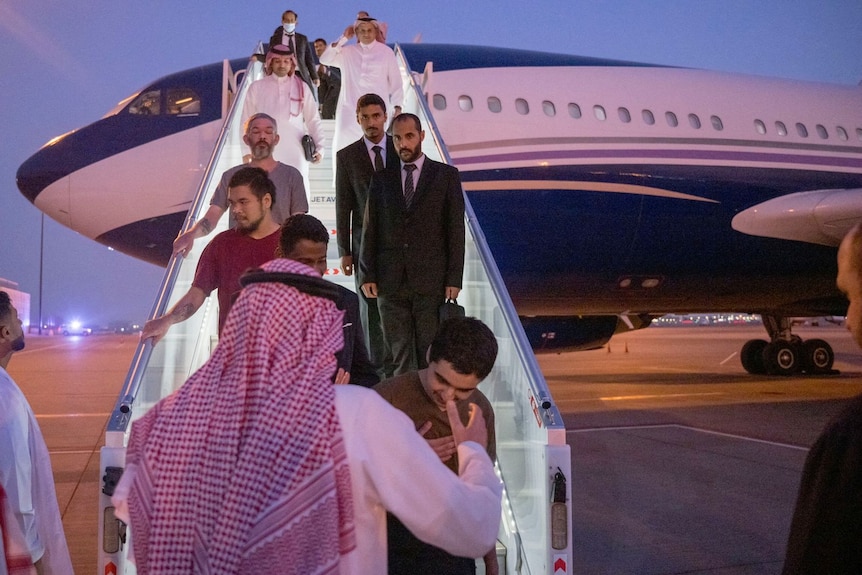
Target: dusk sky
65 64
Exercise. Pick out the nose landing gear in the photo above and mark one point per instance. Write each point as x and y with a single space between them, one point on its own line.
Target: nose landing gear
785 353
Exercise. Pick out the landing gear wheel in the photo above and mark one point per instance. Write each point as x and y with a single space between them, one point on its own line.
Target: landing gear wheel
817 356
782 358
751 356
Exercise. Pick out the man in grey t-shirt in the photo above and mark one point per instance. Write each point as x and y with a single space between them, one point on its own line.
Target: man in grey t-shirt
261 135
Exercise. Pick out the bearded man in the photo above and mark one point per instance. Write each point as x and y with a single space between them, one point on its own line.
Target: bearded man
261 135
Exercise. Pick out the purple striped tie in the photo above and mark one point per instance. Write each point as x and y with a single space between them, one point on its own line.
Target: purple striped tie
408 184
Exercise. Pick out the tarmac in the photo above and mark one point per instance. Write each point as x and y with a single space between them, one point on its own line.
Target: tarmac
681 462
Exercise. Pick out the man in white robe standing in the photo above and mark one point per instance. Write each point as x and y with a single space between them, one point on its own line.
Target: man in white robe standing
25 467
283 95
366 67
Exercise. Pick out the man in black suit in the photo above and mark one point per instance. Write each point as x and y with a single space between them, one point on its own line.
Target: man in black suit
330 83
354 166
304 239
305 61
412 250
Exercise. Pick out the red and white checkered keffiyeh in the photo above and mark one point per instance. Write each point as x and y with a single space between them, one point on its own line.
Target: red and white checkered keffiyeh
243 469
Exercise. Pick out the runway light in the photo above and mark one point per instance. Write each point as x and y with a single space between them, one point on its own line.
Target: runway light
650 283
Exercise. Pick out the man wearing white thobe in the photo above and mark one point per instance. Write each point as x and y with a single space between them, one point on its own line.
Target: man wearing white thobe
25 467
284 96
366 67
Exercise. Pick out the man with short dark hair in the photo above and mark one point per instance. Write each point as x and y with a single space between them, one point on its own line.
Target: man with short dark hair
354 166
261 135
330 84
252 242
826 531
412 249
25 466
461 355
304 239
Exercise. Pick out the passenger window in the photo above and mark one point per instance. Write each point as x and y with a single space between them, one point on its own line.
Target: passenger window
574 110
717 124
183 102
439 101
494 104
781 128
465 103
648 117
842 134
694 121
522 107
801 129
600 113
671 119
859 133
625 116
147 104
760 127
549 108
821 131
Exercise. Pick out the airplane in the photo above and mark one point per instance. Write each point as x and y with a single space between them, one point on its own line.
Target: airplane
610 192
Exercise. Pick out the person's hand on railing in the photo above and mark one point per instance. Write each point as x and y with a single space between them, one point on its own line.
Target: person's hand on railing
184 243
156 329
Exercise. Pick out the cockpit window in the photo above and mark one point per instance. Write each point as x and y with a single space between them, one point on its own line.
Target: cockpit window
183 101
147 104
178 102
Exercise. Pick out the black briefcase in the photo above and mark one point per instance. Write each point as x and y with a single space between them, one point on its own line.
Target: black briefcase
449 309
308 147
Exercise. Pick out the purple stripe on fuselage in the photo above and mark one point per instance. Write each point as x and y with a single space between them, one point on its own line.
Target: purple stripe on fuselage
665 154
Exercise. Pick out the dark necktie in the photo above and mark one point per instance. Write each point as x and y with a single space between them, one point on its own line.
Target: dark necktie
378 158
408 184
290 44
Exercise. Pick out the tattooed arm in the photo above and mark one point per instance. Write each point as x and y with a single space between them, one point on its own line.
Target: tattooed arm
184 242
184 309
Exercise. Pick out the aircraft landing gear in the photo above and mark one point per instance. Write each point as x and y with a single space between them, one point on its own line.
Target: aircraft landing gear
785 353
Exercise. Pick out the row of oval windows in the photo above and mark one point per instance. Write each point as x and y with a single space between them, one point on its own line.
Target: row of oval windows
465 103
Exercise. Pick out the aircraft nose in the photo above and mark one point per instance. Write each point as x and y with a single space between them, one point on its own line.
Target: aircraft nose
40 171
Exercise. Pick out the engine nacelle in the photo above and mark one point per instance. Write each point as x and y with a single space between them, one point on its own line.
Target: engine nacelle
818 217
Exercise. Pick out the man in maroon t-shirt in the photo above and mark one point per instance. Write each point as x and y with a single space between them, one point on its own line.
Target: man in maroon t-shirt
248 245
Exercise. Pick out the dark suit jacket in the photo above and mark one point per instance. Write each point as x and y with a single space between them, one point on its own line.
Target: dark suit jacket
305 61
353 357
422 246
327 92
353 171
